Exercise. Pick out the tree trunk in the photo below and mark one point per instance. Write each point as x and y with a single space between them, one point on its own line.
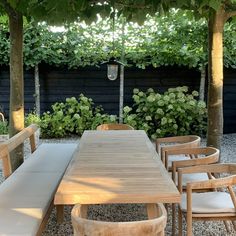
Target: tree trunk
37 90
202 83
215 76
16 83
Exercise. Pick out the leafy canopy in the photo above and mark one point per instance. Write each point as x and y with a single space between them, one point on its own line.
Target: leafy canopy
59 11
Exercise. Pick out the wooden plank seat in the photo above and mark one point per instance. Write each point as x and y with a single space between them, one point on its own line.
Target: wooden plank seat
26 196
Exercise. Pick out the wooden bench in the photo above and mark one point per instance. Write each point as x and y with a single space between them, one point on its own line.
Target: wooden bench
26 196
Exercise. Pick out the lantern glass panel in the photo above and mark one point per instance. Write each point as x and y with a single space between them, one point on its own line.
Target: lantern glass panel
112 71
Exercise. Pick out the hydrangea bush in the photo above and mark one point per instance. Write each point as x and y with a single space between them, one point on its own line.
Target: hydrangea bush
176 112
32 118
3 127
73 117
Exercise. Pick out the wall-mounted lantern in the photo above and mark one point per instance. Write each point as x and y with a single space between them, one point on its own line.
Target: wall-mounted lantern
112 68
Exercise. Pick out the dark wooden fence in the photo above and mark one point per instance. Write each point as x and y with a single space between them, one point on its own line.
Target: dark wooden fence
58 84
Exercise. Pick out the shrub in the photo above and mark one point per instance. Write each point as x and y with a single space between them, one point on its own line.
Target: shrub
32 118
176 112
3 127
73 117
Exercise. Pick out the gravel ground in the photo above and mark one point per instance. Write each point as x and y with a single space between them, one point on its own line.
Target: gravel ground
130 212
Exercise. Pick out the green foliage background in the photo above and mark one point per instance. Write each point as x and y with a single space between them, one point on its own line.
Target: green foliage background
176 39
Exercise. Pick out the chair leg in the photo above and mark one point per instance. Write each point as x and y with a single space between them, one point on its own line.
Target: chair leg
180 222
152 210
60 213
167 207
173 219
162 233
84 211
234 224
227 226
189 224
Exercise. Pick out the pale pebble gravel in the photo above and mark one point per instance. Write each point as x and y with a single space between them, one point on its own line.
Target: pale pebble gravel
130 212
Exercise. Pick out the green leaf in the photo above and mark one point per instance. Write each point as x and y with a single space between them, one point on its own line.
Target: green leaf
215 4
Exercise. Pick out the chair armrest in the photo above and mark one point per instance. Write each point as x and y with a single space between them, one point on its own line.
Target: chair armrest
213 168
13 142
192 162
213 183
19 138
6 161
193 151
178 139
169 139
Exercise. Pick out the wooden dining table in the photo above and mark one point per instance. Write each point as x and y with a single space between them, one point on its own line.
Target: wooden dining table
119 166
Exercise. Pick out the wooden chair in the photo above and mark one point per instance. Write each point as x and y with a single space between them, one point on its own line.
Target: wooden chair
3 137
2 117
209 205
173 143
152 227
201 156
114 126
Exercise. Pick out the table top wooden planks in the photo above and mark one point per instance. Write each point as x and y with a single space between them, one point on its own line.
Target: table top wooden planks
116 167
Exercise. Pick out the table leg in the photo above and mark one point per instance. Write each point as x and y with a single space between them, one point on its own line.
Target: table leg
60 213
84 211
152 210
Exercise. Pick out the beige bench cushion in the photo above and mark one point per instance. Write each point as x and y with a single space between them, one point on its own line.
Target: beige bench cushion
27 195
16 222
28 188
209 202
49 157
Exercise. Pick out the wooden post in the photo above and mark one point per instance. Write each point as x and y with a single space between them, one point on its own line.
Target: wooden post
122 72
202 83
37 90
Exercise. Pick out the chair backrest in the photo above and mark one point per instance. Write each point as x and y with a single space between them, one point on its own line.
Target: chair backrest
152 227
115 127
187 141
2 117
202 156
